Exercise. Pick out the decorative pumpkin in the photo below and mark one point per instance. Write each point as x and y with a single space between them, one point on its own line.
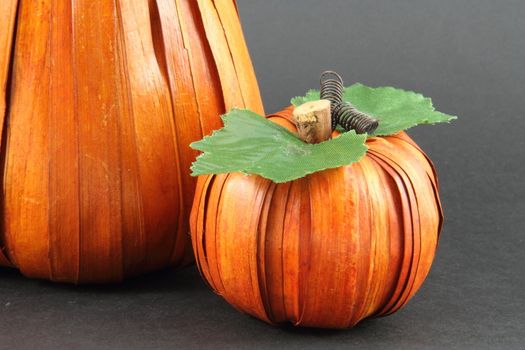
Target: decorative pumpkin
99 101
326 250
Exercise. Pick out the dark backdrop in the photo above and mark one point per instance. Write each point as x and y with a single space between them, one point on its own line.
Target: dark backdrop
469 56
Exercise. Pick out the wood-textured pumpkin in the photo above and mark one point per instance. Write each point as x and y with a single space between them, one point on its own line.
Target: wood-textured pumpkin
99 101
327 250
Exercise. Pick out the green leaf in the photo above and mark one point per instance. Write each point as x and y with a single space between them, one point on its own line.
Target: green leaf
251 144
396 109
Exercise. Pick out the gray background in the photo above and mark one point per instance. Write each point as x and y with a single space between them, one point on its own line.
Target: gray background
469 56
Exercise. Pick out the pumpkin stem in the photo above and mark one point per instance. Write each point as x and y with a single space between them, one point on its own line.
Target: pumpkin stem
313 120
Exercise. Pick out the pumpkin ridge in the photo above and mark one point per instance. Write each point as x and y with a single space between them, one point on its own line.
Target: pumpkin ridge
217 41
394 237
202 251
381 231
136 218
416 230
429 214
9 13
260 252
187 53
254 263
208 75
212 252
176 63
239 54
274 244
406 259
304 249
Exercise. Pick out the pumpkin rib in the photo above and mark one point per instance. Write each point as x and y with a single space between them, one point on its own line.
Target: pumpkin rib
187 51
223 58
372 214
238 241
417 241
176 66
254 276
211 220
184 130
198 225
25 189
140 33
201 204
8 15
305 237
427 163
394 236
309 215
427 206
273 249
416 244
351 201
123 101
404 273
260 251
193 223
290 254
203 67
429 167
431 172
415 221
324 296
365 246
365 240
132 188
352 251
380 231
64 249
99 109
240 56
429 215
161 54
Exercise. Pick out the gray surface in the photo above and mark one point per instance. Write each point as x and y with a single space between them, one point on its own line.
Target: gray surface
467 55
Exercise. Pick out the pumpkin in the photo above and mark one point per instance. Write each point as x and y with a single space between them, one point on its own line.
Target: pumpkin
99 101
327 250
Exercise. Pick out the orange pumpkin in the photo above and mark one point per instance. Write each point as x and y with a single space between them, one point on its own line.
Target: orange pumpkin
99 101
327 250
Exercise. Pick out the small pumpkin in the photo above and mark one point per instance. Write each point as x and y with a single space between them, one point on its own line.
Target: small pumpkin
326 250
99 101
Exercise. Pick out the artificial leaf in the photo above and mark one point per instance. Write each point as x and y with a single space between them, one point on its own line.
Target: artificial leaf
396 109
250 143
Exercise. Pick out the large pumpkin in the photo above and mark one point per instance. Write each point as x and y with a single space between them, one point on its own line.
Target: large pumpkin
327 250
99 101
